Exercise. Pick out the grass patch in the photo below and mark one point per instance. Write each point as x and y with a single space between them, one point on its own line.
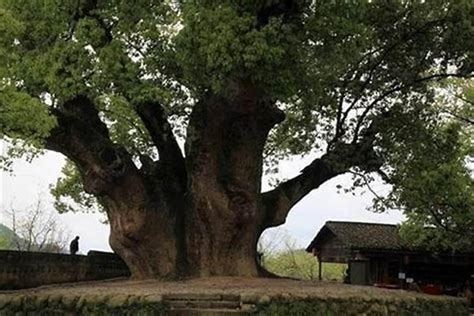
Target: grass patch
299 264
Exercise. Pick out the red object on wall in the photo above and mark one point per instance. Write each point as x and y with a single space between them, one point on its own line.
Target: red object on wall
431 289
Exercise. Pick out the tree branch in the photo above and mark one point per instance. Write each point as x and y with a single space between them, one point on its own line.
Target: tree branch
82 137
278 202
464 100
367 184
386 50
151 113
461 118
439 221
338 160
156 121
393 90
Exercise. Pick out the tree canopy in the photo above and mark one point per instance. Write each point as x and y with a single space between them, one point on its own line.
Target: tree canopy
116 84
333 66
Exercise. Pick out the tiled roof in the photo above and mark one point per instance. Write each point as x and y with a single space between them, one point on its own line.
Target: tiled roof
362 235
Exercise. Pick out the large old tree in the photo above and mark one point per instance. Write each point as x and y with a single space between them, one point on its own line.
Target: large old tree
117 86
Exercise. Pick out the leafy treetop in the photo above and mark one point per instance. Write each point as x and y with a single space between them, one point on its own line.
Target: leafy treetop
345 73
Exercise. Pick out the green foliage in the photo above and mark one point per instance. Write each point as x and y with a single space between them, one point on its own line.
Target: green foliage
69 194
25 121
339 69
125 126
222 42
355 57
298 264
3 243
433 182
24 116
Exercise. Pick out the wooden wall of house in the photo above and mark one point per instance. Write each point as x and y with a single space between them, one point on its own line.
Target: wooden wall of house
383 267
331 249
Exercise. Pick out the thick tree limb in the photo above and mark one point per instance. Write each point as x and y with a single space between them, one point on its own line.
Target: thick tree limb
82 137
78 120
278 202
156 121
151 113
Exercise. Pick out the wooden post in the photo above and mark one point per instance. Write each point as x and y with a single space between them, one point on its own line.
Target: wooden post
320 264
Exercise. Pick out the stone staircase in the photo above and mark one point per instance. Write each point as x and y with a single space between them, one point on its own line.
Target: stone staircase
206 305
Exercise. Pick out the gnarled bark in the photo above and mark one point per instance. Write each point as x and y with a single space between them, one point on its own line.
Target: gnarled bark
224 164
145 210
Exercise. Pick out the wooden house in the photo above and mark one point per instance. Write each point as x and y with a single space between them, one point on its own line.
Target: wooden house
375 254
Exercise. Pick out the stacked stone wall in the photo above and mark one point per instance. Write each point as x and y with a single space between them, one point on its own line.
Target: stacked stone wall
19 270
122 304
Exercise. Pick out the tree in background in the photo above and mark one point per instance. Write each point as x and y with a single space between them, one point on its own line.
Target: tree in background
298 264
272 241
438 185
37 229
282 256
116 86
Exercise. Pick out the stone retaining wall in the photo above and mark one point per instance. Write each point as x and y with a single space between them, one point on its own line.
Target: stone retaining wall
207 305
341 306
19 270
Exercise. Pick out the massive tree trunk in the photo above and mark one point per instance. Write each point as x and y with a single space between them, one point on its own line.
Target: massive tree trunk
199 216
224 162
211 225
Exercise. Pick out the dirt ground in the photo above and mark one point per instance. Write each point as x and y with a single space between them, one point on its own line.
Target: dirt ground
257 287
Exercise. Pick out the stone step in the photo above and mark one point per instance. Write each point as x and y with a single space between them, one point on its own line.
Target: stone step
207 312
202 304
200 297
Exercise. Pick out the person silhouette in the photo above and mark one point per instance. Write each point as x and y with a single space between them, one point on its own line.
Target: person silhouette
74 246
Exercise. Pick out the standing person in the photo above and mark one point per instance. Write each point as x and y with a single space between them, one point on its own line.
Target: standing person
74 246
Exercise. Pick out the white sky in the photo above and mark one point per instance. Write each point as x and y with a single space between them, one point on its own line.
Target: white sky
31 180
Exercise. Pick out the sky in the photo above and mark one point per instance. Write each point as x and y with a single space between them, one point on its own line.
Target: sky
31 181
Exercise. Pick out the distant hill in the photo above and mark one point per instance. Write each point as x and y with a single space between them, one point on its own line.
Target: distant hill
5 231
6 235
9 242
